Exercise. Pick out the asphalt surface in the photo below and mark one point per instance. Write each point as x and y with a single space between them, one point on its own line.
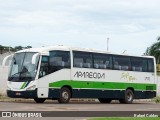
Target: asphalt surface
78 106
75 106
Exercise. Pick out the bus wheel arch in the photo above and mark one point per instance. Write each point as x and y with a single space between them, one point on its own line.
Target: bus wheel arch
131 88
65 94
128 96
39 100
104 100
69 87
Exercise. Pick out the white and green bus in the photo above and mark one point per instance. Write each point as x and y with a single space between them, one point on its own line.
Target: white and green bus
61 73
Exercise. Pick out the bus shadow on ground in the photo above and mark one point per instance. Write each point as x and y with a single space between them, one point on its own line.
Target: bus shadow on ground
30 101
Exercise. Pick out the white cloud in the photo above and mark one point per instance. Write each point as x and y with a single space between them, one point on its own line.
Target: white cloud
87 23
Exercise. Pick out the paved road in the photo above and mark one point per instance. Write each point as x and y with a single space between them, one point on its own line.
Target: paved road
75 106
78 106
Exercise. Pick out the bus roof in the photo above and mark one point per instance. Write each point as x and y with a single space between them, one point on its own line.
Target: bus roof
67 48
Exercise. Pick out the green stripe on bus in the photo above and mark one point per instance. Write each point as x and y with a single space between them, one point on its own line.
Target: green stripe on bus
23 85
102 85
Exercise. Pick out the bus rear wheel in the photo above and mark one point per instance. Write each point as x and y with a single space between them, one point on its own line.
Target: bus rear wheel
104 100
128 98
65 95
39 100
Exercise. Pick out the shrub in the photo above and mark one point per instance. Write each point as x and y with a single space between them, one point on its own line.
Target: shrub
157 99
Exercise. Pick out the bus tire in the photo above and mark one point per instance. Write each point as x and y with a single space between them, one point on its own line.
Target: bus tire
129 96
39 100
65 95
104 100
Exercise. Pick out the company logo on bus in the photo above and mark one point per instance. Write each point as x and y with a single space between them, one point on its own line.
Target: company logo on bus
94 75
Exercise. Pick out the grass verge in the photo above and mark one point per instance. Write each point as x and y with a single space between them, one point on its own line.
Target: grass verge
156 99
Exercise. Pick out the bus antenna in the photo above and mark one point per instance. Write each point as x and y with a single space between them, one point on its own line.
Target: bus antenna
124 51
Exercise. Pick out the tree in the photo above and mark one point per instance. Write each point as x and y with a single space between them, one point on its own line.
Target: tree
28 47
1 49
154 50
18 48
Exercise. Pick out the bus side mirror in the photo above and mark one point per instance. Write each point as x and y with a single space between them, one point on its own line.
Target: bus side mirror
5 59
34 58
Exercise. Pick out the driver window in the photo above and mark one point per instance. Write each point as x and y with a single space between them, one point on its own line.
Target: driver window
44 67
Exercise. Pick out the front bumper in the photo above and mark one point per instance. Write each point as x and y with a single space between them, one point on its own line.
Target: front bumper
22 94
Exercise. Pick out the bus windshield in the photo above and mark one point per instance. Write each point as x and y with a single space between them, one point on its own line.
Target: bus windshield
21 68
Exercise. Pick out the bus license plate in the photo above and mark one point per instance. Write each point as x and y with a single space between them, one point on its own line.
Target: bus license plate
18 93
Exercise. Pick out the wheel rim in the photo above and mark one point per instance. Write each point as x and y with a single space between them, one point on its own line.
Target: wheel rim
65 95
129 96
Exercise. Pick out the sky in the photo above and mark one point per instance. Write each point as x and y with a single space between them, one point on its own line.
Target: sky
130 25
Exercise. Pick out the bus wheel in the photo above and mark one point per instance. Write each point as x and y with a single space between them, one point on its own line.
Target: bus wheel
65 95
104 100
129 96
39 100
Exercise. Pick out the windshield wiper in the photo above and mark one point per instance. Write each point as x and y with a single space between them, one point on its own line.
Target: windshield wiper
12 76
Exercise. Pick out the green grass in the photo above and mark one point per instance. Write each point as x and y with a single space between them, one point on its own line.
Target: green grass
156 99
125 118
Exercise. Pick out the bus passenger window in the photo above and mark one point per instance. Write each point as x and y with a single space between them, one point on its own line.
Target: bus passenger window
82 59
121 62
78 62
59 60
102 61
139 64
117 66
150 65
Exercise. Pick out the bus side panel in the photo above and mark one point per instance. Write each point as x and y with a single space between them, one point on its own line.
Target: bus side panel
84 93
144 94
93 83
43 83
111 94
96 83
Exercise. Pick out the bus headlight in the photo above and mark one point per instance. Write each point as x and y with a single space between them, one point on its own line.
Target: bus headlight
8 88
32 87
